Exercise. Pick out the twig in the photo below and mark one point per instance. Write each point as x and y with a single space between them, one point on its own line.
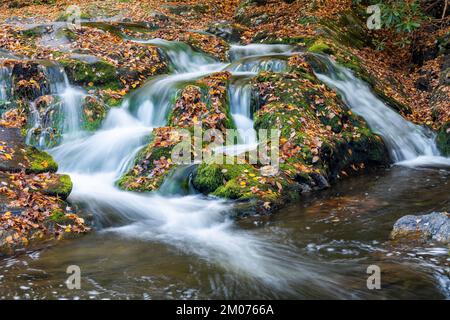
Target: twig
445 9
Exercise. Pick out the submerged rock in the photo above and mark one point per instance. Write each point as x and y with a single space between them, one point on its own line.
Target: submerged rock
430 227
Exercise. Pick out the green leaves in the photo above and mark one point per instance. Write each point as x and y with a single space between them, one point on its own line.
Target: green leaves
402 15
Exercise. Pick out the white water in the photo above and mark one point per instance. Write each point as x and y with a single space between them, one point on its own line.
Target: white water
194 224
409 144
5 83
247 62
69 108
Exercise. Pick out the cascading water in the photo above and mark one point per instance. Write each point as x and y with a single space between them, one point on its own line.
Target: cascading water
247 62
302 252
64 113
5 83
409 144
192 223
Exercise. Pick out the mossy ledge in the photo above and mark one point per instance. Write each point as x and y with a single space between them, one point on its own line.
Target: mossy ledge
60 187
40 161
99 73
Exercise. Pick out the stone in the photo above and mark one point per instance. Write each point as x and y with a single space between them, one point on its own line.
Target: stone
430 227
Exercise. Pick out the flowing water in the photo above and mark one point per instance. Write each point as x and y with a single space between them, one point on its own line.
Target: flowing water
409 144
5 85
184 245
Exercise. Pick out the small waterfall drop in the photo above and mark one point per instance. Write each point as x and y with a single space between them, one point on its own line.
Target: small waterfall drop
409 144
5 84
64 112
247 62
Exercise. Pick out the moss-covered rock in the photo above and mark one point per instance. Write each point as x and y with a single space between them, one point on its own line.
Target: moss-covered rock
205 102
320 141
40 161
98 74
28 81
60 186
94 111
319 46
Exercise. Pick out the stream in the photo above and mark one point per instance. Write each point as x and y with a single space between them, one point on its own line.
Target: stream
169 246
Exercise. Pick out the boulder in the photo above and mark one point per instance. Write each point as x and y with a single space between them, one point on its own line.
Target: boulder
15 156
225 30
430 227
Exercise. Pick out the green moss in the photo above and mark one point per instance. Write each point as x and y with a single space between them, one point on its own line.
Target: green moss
94 112
65 16
98 74
62 187
35 32
208 178
40 161
231 190
320 47
58 216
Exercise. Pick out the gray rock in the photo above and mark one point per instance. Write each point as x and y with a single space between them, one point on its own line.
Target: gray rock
226 31
434 226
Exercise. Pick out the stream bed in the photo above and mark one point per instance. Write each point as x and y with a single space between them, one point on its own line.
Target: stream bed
318 248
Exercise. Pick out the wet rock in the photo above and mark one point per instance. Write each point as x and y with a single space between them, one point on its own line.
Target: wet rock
205 100
320 141
423 84
159 16
320 182
98 73
94 111
423 54
38 31
29 81
61 187
247 16
15 156
48 116
430 227
186 9
227 31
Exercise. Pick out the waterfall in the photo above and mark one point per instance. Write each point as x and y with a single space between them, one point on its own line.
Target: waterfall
192 223
247 62
64 113
408 144
5 84
238 52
